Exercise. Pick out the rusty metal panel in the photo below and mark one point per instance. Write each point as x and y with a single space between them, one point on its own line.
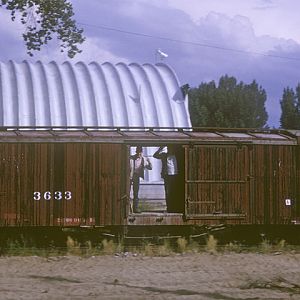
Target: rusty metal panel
62 184
217 181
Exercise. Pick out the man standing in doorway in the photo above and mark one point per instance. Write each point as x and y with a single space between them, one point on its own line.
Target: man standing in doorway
137 166
169 172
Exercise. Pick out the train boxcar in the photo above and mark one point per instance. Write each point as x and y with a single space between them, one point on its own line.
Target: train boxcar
72 177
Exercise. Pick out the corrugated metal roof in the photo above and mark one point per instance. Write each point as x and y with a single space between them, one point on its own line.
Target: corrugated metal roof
38 94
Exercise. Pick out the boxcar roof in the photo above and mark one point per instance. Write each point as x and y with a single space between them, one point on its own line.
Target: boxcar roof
147 136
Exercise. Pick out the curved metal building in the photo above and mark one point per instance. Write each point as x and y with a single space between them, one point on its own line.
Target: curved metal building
38 94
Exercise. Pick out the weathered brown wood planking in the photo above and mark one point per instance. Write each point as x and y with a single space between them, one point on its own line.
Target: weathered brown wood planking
225 180
74 184
254 180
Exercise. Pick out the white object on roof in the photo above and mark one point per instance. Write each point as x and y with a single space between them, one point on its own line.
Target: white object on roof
162 54
38 94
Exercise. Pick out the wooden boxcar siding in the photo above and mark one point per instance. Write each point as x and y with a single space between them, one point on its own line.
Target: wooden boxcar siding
62 184
298 182
217 181
274 174
246 184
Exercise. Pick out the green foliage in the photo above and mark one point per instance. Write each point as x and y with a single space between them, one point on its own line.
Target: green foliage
230 104
45 18
290 108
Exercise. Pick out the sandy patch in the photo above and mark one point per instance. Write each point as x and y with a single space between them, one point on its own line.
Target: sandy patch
189 276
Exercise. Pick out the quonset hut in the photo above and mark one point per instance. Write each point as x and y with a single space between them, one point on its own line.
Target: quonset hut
38 94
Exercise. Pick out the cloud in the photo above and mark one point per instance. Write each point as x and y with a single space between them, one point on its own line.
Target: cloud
93 50
217 31
207 31
11 37
8 27
265 5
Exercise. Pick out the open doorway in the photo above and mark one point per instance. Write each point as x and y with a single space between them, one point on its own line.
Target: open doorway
152 195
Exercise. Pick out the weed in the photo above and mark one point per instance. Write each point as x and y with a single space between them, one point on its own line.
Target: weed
21 248
193 247
281 246
233 247
164 249
73 247
109 247
265 246
211 245
89 249
182 245
148 249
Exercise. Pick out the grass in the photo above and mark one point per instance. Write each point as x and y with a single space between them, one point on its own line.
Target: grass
265 246
73 247
233 247
148 249
154 249
109 247
106 247
211 245
282 246
163 247
19 248
182 245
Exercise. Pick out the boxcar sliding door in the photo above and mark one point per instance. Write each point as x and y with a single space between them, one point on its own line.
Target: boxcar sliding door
217 181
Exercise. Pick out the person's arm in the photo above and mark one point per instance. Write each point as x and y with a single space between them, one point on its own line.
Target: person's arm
148 164
131 163
159 154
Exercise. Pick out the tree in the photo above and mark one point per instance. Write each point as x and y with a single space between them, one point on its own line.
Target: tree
230 104
45 18
290 108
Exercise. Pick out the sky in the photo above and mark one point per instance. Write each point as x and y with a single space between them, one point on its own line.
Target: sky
204 39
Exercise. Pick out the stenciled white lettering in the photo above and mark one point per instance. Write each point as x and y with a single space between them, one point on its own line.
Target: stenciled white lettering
57 195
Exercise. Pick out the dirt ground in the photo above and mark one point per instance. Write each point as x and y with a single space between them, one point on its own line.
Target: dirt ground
187 276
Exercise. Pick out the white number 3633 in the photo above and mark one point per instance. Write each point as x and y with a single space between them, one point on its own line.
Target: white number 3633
57 195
